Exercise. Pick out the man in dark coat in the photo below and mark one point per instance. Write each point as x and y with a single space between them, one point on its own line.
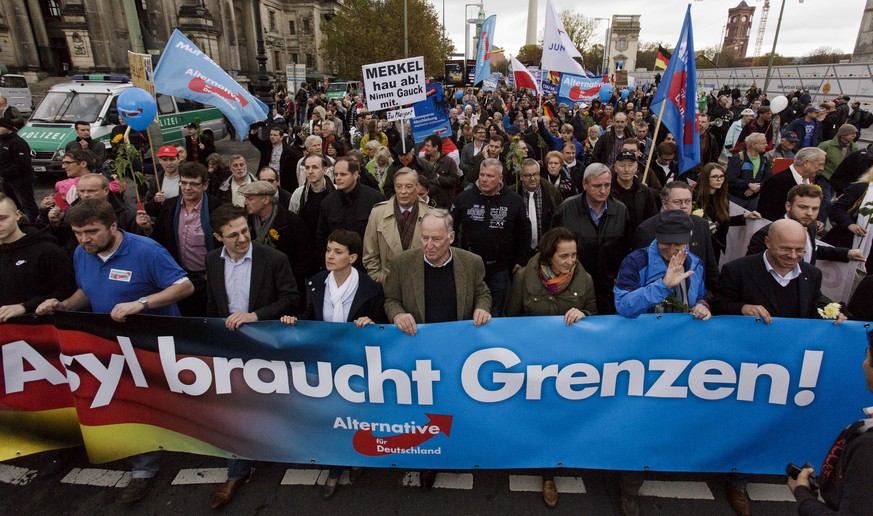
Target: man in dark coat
16 172
277 155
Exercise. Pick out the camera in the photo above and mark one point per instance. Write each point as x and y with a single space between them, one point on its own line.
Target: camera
793 470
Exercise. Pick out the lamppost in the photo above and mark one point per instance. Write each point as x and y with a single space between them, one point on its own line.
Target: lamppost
262 86
773 52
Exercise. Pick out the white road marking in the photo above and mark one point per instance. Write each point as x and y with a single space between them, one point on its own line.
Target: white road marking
16 475
301 477
200 476
687 490
97 477
534 484
443 480
770 493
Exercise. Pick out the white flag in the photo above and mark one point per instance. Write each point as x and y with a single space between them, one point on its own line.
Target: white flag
558 50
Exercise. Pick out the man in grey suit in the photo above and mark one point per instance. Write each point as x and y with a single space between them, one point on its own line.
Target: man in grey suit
246 282
436 283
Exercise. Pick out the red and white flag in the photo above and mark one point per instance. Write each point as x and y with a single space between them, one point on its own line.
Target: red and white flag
523 78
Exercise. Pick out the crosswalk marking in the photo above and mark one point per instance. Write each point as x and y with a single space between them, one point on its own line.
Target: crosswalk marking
200 476
97 477
770 493
301 477
534 483
687 490
16 475
443 480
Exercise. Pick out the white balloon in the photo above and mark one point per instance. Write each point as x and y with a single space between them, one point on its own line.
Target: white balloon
778 104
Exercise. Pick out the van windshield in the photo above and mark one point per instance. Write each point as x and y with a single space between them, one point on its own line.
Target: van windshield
337 86
70 106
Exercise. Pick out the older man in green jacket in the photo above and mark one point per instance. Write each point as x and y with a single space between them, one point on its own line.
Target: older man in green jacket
837 148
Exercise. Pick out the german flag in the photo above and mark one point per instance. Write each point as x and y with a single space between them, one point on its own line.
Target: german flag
662 59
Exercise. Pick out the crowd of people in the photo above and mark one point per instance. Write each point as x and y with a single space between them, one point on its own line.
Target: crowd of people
525 207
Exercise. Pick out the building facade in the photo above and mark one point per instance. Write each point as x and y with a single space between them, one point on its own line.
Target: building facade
57 37
624 42
863 52
738 28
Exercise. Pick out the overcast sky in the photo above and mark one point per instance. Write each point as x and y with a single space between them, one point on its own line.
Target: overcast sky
805 26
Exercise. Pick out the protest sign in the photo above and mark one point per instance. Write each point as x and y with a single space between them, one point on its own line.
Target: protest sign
394 83
576 88
400 114
431 115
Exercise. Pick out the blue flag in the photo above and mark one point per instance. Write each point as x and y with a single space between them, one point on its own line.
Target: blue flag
483 51
678 95
185 71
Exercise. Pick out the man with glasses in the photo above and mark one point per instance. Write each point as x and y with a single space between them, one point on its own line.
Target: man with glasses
270 175
183 228
541 199
676 195
602 230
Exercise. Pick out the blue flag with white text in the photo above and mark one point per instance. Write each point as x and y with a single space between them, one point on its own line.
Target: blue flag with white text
187 72
483 51
678 94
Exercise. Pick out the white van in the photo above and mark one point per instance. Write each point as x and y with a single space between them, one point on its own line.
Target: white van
92 99
17 92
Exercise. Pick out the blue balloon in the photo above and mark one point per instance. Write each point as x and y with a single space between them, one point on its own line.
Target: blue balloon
625 93
606 92
137 108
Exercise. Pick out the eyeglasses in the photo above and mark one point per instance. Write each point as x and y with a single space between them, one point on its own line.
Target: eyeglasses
65 162
681 202
716 176
529 176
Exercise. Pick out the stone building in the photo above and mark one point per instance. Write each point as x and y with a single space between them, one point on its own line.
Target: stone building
55 37
739 25
863 52
624 42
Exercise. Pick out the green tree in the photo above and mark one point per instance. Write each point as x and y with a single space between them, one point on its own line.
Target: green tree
364 32
530 54
764 60
647 53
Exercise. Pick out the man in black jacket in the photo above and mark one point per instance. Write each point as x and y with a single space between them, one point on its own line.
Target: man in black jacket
16 171
491 221
348 207
276 155
638 198
84 141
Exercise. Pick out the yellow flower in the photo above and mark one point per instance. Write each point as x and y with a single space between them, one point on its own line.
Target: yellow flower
830 311
118 138
274 234
698 212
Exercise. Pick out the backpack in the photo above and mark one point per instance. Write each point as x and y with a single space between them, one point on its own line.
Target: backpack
866 119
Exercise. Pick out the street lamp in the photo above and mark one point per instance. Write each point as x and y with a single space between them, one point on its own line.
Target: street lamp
262 86
773 52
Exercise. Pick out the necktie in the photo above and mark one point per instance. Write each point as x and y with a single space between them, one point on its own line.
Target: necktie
406 215
532 215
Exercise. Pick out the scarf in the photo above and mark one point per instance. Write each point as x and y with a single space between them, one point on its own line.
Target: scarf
555 284
406 227
262 228
339 295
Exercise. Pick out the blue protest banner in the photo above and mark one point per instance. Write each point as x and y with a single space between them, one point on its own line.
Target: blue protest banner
577 88
431 115
187 72
483 49
660 393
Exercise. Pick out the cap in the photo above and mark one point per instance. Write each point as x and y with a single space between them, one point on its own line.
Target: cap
8 124
258 188
674 227
810 109
192 125
846 129
790 136
513 129
168 150
626 155
747 112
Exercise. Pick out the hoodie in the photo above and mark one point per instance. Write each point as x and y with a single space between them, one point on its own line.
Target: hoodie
34 268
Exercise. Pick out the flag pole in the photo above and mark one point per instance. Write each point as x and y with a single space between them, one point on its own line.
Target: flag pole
654 139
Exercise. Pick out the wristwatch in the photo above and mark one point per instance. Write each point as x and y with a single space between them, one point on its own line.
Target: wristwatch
144 301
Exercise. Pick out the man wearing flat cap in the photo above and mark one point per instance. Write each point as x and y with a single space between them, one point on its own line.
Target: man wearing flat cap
275 226
16 172
664 276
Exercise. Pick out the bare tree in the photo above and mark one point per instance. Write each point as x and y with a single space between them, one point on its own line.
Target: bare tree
580 28
824 55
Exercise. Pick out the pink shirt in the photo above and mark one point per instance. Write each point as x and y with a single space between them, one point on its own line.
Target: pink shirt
192 241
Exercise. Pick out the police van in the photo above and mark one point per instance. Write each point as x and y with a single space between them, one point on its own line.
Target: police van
17 92
92 99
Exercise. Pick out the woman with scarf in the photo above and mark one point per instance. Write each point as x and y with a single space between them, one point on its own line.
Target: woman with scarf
341 294
556 173
553 283
378 167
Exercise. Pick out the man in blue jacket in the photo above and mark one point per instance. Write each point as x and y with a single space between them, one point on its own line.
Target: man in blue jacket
663 277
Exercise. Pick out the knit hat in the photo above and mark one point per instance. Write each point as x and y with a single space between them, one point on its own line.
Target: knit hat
846 129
